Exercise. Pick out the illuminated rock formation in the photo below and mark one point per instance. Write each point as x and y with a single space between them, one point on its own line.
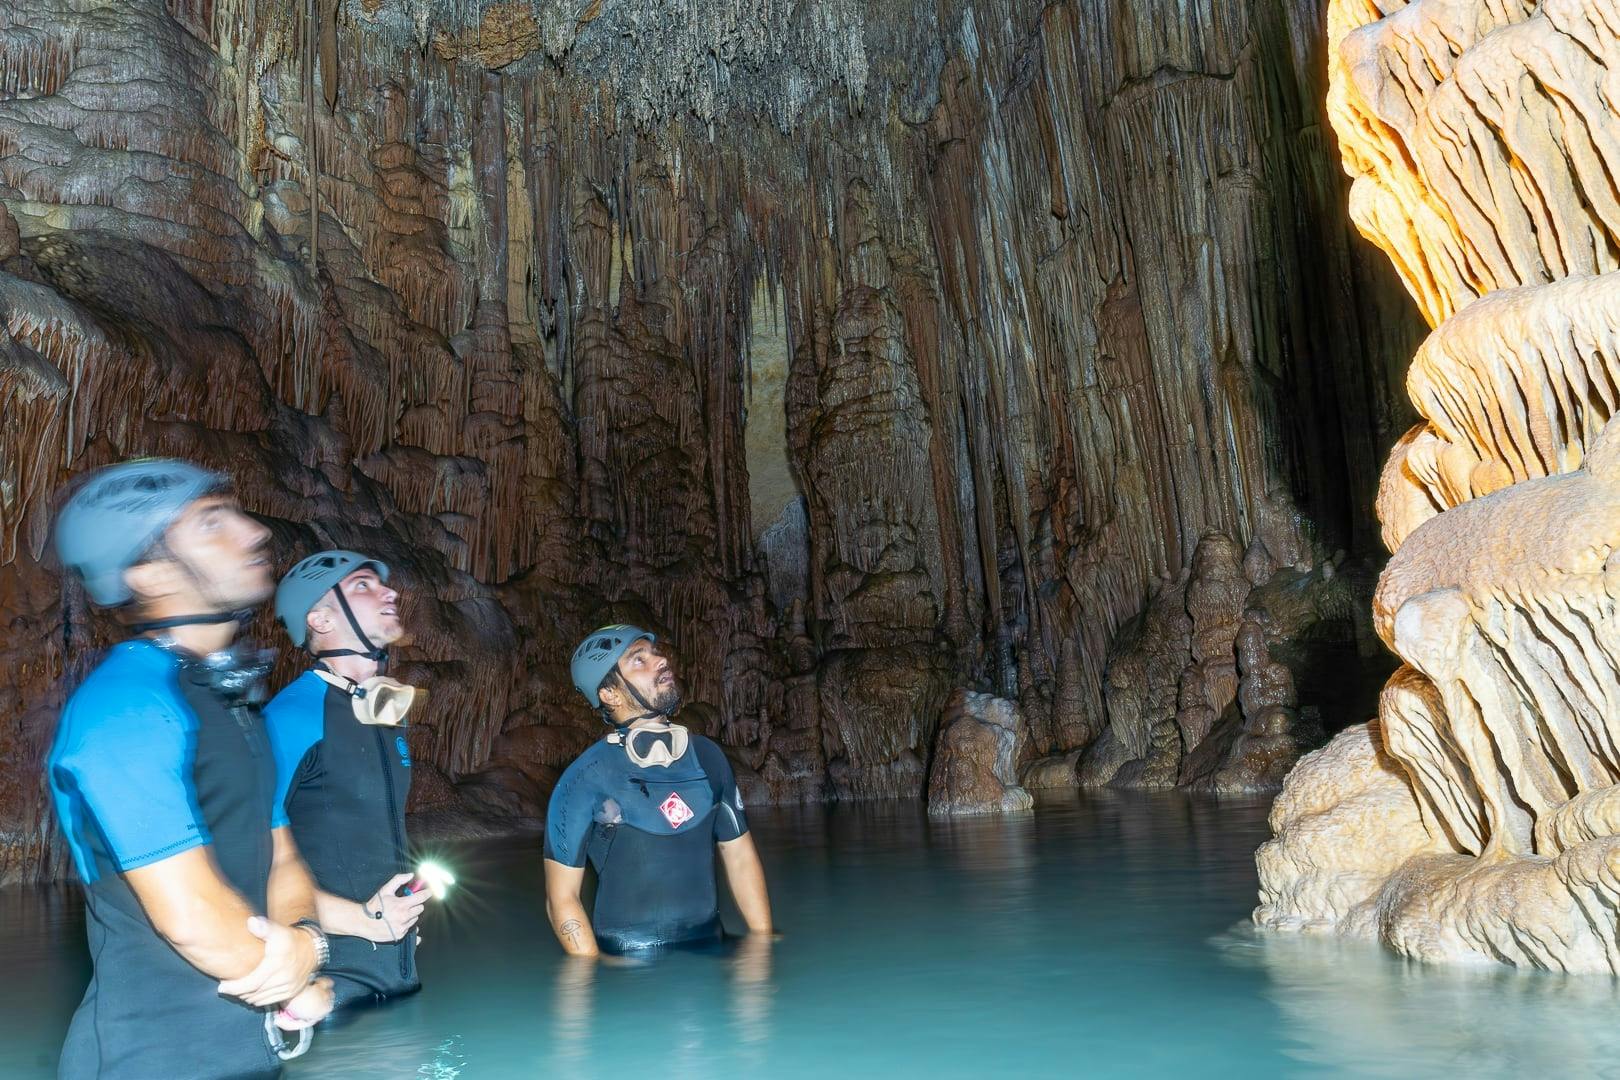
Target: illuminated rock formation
1055 291
1481 139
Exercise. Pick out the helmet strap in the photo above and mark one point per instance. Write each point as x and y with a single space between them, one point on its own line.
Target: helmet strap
635 695
215 619
367 649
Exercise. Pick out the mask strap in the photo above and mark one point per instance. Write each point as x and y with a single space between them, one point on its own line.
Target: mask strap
342 682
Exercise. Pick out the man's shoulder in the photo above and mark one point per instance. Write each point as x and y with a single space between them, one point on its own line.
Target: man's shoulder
132 693
707 744
298 713
587 766
709 753
305 694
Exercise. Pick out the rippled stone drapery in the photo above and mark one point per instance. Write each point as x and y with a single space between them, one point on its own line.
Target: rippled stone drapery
1061 286
1481 138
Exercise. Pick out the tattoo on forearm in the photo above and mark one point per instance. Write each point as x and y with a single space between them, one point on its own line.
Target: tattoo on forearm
570 931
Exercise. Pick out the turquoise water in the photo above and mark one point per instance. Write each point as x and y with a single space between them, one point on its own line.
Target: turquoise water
1101 936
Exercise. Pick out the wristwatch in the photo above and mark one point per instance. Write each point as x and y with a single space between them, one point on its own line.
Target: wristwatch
323 948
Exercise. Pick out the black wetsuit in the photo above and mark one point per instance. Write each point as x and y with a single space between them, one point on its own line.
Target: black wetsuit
345 785
649 832
150 761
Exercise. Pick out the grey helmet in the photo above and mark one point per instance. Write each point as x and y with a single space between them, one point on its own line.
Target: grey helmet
599 654
116 517
311 579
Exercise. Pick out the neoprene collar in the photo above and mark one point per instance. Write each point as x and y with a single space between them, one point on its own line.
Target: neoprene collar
236 673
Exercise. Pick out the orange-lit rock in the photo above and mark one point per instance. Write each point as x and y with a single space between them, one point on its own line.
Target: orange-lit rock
1481 140
973 772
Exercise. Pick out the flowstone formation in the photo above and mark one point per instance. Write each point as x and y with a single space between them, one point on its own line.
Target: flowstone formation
518 294
1479 817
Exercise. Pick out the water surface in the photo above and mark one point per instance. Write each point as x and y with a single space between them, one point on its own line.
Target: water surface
1100 936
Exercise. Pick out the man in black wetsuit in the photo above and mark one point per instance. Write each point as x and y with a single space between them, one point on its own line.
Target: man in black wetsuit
647 807
198 909
344 769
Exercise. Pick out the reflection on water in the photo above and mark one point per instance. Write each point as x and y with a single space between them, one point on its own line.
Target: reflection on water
1350 1005
1099 936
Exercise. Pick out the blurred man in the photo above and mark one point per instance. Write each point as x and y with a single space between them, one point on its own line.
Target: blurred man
199 916
344 769
647 807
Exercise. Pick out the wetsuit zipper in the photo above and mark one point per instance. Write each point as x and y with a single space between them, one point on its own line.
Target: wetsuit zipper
393 825
239 713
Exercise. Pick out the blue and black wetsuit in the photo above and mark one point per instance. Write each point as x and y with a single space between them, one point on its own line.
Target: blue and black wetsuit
343 785
150 761
649 832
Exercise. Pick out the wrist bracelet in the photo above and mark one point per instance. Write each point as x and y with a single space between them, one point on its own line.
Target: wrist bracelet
323 948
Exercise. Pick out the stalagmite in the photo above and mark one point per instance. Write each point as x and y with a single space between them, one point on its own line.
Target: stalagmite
980 737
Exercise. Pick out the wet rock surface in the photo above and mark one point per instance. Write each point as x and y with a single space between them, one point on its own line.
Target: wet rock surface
1062 289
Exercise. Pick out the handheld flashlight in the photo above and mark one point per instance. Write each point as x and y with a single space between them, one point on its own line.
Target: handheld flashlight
430 878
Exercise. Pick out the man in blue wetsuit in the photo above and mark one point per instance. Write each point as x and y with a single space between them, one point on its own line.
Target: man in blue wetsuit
344 769
198 908
647 807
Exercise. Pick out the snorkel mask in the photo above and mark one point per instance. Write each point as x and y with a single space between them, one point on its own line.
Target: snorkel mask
378 700
650 742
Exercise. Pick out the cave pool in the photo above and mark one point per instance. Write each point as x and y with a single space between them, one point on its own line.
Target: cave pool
1102 935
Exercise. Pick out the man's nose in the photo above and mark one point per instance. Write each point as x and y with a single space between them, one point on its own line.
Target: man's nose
389 595
258 535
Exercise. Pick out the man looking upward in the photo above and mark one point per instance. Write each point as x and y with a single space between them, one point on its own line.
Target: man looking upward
199 916
344 768
647 806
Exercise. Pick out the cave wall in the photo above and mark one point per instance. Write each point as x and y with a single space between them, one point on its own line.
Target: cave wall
1063 288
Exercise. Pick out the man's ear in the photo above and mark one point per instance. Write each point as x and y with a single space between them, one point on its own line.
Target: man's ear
319 620
153 580
611 698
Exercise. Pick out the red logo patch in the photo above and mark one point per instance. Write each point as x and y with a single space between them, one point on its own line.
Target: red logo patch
675 811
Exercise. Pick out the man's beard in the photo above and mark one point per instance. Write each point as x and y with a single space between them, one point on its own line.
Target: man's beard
667 701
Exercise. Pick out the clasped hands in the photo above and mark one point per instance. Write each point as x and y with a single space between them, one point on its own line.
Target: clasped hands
285 976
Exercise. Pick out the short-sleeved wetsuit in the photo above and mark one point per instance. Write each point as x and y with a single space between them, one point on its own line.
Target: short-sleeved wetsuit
649 832
343 785
150 761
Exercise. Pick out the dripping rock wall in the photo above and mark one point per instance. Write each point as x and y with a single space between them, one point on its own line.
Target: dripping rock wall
1052 293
